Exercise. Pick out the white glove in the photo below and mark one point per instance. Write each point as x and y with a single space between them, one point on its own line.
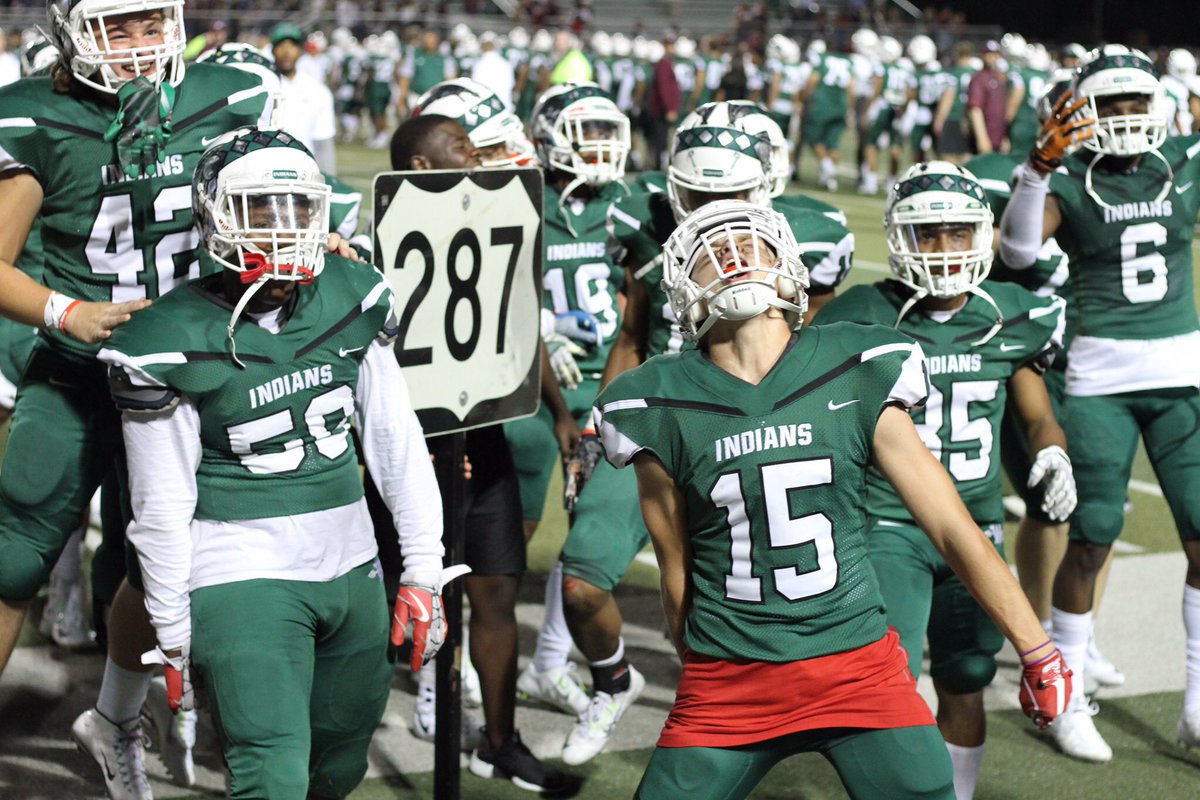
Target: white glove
562 352
1052 466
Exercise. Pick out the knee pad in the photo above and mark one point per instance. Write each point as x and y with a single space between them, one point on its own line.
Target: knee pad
965 672
1098 523
23 570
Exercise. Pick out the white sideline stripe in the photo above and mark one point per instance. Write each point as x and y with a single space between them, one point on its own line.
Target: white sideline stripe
1146 487
647 558
1125 547
871 266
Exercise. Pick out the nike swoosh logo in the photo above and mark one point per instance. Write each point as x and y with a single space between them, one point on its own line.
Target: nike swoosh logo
1184 187
1004 348
61 384
835 406
343 352
205 141
107 769
420 612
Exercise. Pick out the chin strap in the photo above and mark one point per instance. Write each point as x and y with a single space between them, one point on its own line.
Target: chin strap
1162 195
920 294
247 295
562 201
142 125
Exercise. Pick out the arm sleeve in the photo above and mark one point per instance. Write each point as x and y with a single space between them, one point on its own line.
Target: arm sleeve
163 451
398 460
1022 223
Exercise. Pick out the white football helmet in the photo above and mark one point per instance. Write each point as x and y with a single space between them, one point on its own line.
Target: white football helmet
1118 70
865 42
1015 48
726 240
714 153
655 51
518 38
1039 57
621 46
922 50
1181 64
890 50
938 193
685 47
542 42
753 118
251 59
78 30
577 128
601 44
482 113
641 48
262 206
1058 82
816 49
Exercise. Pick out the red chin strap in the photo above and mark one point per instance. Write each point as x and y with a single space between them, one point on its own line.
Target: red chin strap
257 265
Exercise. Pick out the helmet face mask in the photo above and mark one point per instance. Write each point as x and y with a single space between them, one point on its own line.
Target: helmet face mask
495 130
1116 71
82 31
714 153
576 128
933 198
733 260
262 206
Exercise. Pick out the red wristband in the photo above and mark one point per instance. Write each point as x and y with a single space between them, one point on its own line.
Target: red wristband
62 321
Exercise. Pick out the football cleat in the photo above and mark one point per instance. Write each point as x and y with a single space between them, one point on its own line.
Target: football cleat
558 687
118 750
1188 729
1076 735
513 761
424 721
175 734
592 732
472 691
1100 673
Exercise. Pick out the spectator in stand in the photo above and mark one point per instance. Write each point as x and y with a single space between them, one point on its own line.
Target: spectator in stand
662 104
987 103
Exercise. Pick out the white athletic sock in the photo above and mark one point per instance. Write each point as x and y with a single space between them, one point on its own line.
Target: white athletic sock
69 567
1048 627
1191 627
615 658
427 674
122 692
968 761
1071 633
554 638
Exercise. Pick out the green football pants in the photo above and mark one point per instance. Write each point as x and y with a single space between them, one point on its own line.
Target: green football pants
607 530
924 596
65 437
1102 434
297 676
885 764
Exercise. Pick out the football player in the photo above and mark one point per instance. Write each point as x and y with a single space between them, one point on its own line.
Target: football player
1122 207
230 419
826 96
987 344
582 140
494 130
751 451
101 152
1040 541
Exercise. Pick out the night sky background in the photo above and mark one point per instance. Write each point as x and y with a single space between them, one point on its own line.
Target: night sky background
1140 23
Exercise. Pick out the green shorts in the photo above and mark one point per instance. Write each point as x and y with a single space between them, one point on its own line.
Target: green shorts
535 450
923 597
1014 447
879 131
607 530
885 764
921 139
378 97
297 676
1102 438
825 131
65 437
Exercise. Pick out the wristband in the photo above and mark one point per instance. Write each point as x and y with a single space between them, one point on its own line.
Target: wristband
58 306
1031 651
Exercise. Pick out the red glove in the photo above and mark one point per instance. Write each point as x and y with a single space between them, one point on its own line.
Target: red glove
1045 685
423 605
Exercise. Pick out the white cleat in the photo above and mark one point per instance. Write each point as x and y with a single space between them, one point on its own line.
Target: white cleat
472 692
1100 673
1188 729
424 721
559 687
175 734
591 733
117 749
70 630
1076 735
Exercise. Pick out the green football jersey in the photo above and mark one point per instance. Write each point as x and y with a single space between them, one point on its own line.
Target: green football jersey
1131 258
1023 130
960 423
106 236
344 204
772 478
1048 274
580 271
638 227
826 245
803 201
828 99
649 181
962 81
274 434
426 70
